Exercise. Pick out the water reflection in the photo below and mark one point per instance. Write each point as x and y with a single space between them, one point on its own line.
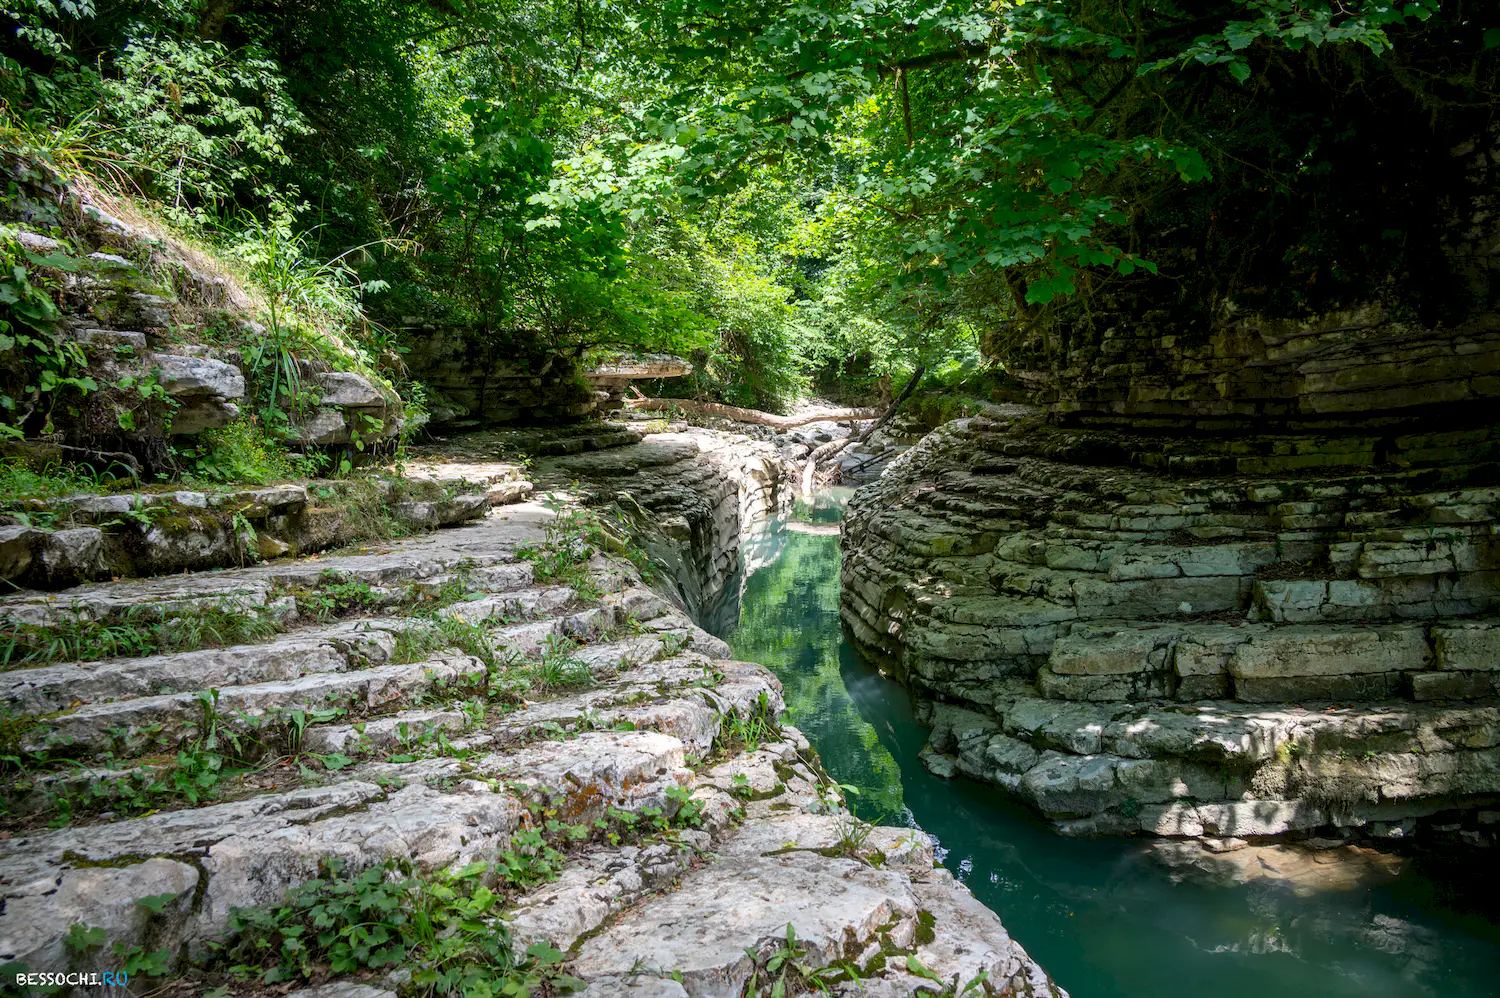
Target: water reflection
1104 917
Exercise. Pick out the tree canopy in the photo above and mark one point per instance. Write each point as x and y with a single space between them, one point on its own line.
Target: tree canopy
832 190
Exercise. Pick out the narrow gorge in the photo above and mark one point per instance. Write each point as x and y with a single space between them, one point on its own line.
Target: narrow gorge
706 499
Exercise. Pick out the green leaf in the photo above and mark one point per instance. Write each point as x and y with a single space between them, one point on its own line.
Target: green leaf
1239 71
156 903
1492 38
81 938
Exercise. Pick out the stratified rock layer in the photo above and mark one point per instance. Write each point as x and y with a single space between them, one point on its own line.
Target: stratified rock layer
1216 636
432 777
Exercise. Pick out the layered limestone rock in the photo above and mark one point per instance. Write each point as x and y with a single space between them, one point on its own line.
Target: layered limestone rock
475 380
1284 622
687 495
53 543
613 377
439 769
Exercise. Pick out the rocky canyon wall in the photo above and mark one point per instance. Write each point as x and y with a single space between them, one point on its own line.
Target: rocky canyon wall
1236 590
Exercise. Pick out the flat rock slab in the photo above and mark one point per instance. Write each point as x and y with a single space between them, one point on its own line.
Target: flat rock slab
661 449
746 900
342 989
233 855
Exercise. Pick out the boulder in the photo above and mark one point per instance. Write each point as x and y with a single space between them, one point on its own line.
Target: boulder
183 376
346 390
17 545
69 555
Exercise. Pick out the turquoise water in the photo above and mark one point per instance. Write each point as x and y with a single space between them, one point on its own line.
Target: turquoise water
1102 916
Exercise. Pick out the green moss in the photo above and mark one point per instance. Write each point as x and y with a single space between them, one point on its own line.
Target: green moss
175 521
926 922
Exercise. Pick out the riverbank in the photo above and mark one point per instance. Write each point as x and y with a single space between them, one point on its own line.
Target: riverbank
1111 917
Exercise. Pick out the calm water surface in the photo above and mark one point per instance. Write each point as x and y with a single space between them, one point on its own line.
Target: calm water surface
1103 917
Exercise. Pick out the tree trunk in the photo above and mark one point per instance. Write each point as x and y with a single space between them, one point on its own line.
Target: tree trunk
739 415
831 449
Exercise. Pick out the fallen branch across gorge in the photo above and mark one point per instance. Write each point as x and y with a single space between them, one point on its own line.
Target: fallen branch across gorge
826 453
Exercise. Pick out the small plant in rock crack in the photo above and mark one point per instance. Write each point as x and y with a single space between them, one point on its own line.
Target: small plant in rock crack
783 972
746 730
854 835
427 743
445 928
424 597
530 860
292 725
214 756
337 596
831 796
136 961
563 556
559 667
144 630
571 540
688 813
710 679
950 988
672 643
440 632
739 785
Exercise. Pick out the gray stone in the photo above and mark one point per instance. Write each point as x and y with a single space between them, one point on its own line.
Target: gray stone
1454 685
184 377
1289 689
17 545
1471 645
197 415
111 339
34 241
347 390
1104 688
1330 651
1096 650
70 555
342 989
325 427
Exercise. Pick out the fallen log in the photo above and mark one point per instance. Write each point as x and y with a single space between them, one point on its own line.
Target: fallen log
740 415
834 447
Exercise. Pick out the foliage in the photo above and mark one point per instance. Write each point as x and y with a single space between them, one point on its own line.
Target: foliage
745 730
785 971
242 452
200 119
558 667
572 538
38 365
214 754
19 481
141 630
444 927
789 194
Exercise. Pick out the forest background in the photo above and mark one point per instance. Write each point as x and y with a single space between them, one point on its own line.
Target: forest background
798 197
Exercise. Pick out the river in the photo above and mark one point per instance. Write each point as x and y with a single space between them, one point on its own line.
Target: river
1103 916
